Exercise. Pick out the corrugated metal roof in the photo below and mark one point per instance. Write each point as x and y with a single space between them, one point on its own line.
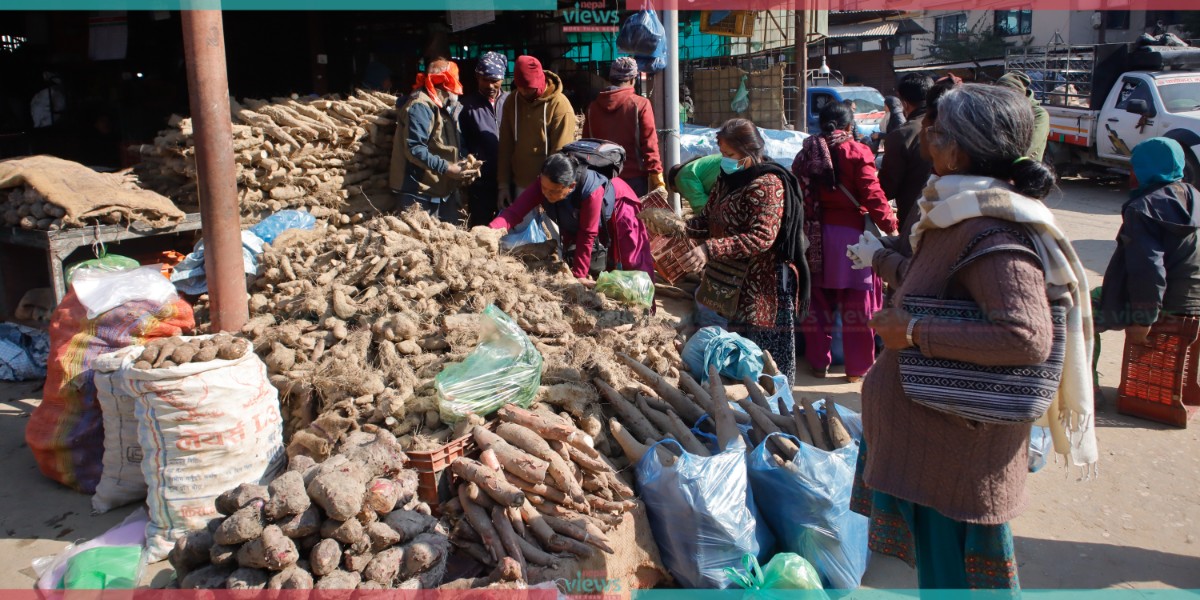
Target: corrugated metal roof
873 30
991 62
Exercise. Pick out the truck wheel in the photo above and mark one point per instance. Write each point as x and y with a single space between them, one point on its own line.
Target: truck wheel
1191 170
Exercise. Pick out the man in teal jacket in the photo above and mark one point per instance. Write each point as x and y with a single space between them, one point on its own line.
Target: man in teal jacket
694 179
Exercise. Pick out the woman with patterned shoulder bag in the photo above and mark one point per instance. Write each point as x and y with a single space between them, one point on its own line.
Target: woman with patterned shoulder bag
752 250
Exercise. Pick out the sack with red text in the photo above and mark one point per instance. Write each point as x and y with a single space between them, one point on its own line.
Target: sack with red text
204 428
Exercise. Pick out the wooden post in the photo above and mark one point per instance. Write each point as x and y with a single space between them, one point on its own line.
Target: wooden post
800 102
220 217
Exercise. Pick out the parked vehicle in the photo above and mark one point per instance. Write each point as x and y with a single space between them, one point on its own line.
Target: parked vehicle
1105 99
869 111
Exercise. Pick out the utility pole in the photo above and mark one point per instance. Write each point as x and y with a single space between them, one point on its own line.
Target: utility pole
800 102
220 217
671 123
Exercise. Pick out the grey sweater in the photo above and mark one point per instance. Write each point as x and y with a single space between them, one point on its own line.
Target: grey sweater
966 470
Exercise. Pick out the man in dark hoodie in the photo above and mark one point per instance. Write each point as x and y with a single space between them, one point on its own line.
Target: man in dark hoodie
904 171
1155 271
620 115
480 123
1041 119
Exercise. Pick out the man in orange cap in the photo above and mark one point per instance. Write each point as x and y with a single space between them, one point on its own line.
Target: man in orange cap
427 168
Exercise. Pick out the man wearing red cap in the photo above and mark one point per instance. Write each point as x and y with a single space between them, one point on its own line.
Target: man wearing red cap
427 168
537 122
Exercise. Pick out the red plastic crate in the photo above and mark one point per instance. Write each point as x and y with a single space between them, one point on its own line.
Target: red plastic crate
1158 380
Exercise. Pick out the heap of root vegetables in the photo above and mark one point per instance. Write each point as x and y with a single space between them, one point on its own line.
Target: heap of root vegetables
352 521
355 322
289 153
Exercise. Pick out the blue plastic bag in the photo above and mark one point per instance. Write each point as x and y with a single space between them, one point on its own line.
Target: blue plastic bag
702 514
807 506
269 228
733 355
23 352
529 232
189 277
641 34
1040 445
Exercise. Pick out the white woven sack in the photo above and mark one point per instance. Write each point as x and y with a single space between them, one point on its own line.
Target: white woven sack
121 480
204 428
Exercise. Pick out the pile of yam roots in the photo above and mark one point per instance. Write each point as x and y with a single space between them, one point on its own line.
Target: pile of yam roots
289 152
354 323
352 521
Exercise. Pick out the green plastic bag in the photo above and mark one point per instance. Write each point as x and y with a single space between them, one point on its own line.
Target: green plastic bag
741 99
785 571
106 262
104 568
630 287
505 368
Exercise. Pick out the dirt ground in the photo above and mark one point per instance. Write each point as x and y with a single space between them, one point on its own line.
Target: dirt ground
1133 527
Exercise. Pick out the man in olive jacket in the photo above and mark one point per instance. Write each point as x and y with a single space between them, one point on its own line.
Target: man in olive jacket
1021 82
427 167
538 121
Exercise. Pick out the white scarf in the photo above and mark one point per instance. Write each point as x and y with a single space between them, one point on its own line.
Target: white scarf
954 198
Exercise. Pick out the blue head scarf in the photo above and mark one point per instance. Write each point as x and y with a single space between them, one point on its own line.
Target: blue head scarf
1157 161
492 65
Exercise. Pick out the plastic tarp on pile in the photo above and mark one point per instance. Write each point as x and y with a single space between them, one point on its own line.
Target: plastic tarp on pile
782 146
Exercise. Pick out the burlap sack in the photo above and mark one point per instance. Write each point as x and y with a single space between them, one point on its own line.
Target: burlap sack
88 195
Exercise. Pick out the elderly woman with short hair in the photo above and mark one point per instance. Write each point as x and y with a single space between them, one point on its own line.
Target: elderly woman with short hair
940 487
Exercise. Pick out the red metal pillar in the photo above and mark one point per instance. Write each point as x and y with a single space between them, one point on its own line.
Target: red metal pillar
208 94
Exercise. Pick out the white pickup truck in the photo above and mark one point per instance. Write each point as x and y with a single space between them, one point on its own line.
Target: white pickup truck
1105 99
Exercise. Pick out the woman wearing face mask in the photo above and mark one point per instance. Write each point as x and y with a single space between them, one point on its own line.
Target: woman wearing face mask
752 253
840 186
587 207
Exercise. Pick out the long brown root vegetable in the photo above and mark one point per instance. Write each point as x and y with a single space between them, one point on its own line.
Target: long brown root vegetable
544 490
526 439
490 482
550 427
595 464
766 427
634 419
801 427
481 498
513 459
474 550
618 486
657 418
564 478
535 555
685 436
839 436
769 366
813 422
700 395
676 398
722 414
489 459
633 448
508 537
481 522
756 394
584 532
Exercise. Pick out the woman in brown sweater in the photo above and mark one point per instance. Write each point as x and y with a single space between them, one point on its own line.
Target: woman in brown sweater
939 488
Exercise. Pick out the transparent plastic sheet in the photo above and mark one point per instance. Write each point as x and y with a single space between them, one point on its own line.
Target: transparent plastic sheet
269 228
111 263
630 287
130 532
807 506
99 291
505 368
785 571
733 355
702 513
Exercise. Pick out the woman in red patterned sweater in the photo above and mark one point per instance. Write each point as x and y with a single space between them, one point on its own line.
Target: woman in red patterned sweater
751 229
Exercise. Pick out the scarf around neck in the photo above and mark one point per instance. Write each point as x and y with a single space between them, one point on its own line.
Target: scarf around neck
951 199
813 166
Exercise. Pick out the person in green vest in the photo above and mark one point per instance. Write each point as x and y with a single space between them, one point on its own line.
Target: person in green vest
694 179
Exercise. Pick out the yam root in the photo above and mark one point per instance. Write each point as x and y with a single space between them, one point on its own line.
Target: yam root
272 550
325 557
765 427
514 460
813 422
636 422
288 496
585 532
481 522
242 526
500 490
722 414
508 537
230 501
839 436
676 398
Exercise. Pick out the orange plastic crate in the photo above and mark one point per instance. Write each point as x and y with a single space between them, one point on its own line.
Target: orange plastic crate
434 485
1158 380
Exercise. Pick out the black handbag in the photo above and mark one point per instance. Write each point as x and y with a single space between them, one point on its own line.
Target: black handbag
721 285
988 394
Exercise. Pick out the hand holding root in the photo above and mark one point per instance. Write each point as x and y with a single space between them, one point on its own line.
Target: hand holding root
661 221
